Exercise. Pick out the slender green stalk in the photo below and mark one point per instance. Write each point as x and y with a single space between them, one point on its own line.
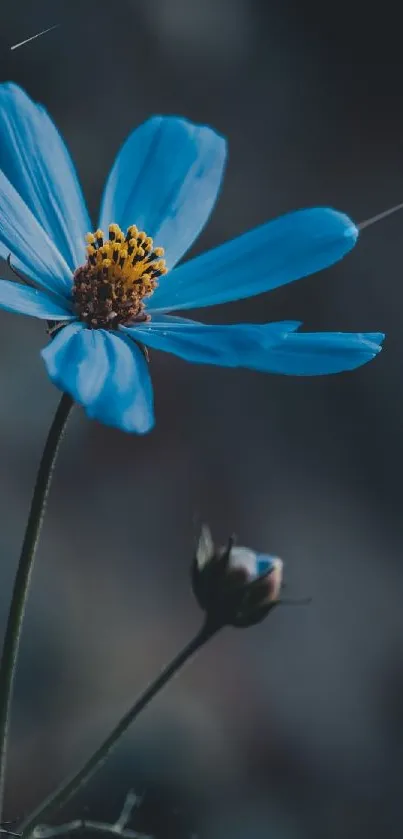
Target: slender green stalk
69 787
12 636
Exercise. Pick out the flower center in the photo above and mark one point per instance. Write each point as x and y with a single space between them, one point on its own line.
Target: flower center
119 273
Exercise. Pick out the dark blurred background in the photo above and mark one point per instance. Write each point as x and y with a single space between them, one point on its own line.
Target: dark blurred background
294 728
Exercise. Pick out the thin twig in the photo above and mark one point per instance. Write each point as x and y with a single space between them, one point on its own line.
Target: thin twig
84 826
118 828
131 801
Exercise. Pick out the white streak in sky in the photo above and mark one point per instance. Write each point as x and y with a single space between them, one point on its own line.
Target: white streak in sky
32 38
379 217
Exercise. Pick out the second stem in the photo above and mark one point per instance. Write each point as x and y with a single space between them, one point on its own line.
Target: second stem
68 788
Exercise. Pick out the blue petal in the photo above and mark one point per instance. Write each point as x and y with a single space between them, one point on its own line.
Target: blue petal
105 373
279 252
35 160
235 345
28 301
31 249
269 347
165 179
320 353
265 563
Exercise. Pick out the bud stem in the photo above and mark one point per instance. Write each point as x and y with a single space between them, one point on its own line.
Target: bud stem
69 787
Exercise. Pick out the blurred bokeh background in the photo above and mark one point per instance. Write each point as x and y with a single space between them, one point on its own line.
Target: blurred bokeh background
294 728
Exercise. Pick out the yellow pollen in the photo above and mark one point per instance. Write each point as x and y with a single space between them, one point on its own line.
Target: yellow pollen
119 273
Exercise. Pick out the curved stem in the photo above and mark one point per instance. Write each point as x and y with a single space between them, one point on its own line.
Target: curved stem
68 788
21 584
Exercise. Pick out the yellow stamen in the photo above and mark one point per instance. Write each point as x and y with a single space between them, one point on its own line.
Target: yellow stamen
120 271
114 230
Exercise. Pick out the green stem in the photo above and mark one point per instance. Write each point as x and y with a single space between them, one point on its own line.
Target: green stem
68 788
12 636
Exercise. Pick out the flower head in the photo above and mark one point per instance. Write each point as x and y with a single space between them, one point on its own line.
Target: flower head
235 585
108 294
120 272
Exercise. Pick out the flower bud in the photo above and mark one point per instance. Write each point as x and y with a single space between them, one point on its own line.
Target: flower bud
235 585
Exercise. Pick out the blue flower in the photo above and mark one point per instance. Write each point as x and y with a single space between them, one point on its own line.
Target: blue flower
109 300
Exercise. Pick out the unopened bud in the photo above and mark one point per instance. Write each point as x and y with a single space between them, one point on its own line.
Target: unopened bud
235 585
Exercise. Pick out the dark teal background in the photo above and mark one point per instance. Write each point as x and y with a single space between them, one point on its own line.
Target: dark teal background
294 728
